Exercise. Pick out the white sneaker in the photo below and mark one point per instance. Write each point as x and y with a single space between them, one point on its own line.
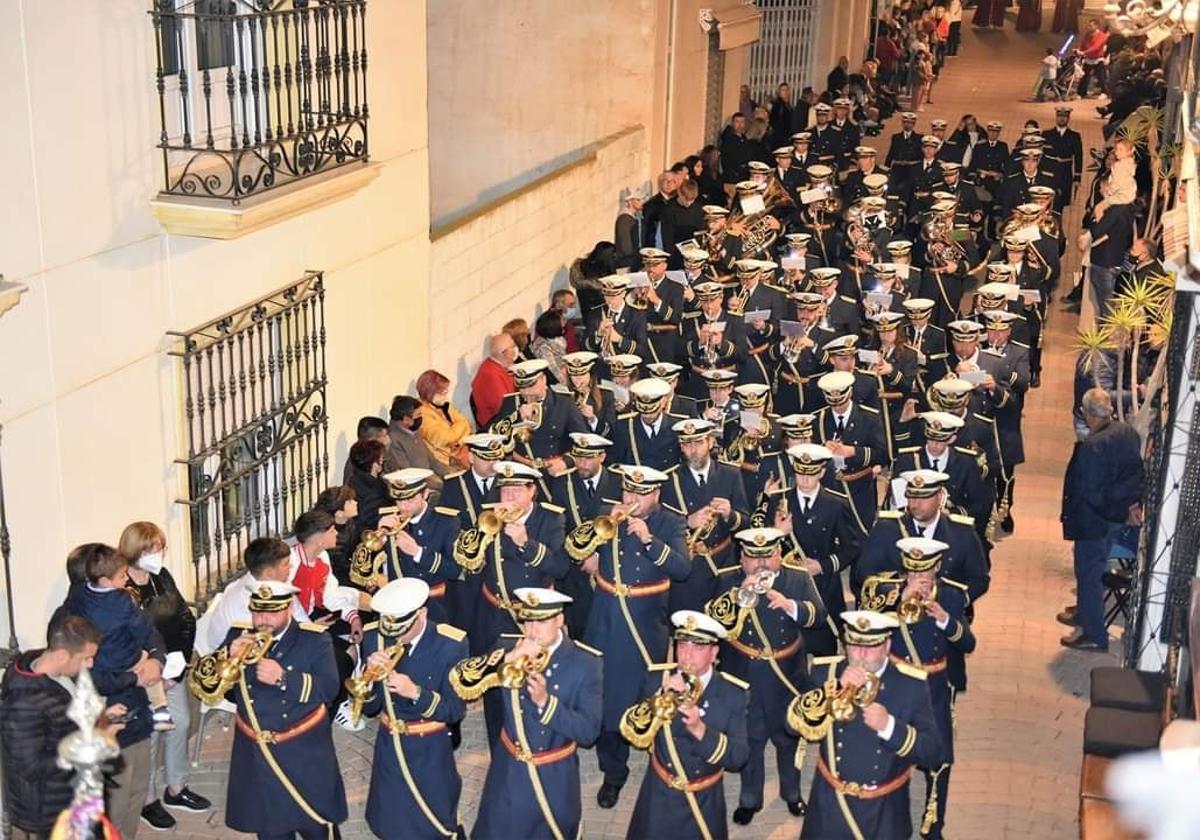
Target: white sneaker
342 719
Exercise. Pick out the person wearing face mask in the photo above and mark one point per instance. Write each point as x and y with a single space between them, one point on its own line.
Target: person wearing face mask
143 545
443 426
408 447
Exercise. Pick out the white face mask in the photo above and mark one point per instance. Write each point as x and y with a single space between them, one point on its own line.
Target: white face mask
151 562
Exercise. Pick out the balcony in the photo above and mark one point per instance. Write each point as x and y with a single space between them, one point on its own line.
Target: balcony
263 110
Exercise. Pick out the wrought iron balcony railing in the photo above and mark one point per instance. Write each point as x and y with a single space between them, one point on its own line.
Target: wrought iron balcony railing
255 95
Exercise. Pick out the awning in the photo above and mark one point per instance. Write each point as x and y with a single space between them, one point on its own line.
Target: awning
738 26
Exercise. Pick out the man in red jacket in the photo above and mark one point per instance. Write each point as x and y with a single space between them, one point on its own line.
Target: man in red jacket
1093 51
493 380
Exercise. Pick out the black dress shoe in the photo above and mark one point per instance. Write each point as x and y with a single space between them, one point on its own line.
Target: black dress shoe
1077 641
1035 380
608 795
798 809
1069 617
455 735
744 816
1007 524
1074 296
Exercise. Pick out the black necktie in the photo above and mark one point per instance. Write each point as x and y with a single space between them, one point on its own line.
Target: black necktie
591 488
805 505
700 480
841 423
487 486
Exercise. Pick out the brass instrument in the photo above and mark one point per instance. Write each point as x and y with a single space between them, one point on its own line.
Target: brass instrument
586 538
523 429
911 609
365 563
607 350
754 587
697 538
214 675
814 712
359 687
759 236
640 723
471 544
477 674
738 300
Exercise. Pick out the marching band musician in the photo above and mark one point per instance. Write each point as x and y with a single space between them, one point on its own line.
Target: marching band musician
826 140
1064 150
896 367
550 710
712 341
763 606
414 782
683 792
978 432
758 227
802 156
722 407
967 489
284 778
927 340
539 418
755 297
615 327
679 405
1015 189
823 536
874 722
904 150
926 175
633 572
595 400
988 160
992 296
794 429
854 433
664 305
623 368
796 247
854 186
644 436
840 312
424 547
582 492
710 494
930 611
796 358
723 246
842 354
754 439
819 218
1032 272
923 516
1008 423
468 491
994 383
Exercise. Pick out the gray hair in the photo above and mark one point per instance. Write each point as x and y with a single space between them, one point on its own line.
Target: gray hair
1096 403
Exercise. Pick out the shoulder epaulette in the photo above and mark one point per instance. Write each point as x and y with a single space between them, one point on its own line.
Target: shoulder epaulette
512 635
833 492
954 583
937 355
553 508
445 511
679 416
567 471
962 519
983 417
629 415
671 469
905 450
588 648
662 666
560 389
966 450
455 474
827 660
1021 344
725 463
371 625
241 625
313 627
730 678
728 570
451 632
672 508
910 670
606 386
888 514
869 408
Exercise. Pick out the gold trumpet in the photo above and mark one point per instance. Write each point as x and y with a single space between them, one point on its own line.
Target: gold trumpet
359 687
640 723
587 537
214 675
911 609
365 563
814 712
697 538
523 430
477 674
471 544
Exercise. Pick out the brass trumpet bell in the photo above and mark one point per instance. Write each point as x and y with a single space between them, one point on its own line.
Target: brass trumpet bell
587 537
640 723
214 675
360 687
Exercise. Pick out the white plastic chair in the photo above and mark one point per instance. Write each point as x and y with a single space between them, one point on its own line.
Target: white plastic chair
206 709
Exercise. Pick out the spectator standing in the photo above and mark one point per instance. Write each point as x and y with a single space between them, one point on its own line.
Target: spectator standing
369 428
567 304
652 210
1107 240
681 220
887 54
443 426
736 154
954 13
1093 51
780 119
838 78
493 380
34 696
408 448
627 230
746 103
1101 493
143 547
550 343
709 180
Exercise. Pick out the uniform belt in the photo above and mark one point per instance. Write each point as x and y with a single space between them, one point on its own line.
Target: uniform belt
718 547
496 601
794 380
266 736
757 653
420 728
904 163
857 790
672 781
662 328
760 349
438 590
637 590
1057 159
537 759
892 395
701 370
933 666
854 476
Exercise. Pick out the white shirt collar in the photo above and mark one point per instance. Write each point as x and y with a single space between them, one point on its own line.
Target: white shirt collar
705 678
936 459
930 527
705 473
845 413
412 643
651 428
557 644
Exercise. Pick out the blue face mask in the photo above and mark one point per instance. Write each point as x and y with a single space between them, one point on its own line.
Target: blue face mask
571 314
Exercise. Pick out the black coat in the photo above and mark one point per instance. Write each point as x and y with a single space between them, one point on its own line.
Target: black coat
1111 236
1104 477
165 606
33 719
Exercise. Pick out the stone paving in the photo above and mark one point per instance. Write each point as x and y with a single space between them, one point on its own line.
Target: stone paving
1019 728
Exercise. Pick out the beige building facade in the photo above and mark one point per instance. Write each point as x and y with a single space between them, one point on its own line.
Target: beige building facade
500 141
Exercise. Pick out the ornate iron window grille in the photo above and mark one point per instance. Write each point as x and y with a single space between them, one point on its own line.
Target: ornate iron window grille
254 95
256 425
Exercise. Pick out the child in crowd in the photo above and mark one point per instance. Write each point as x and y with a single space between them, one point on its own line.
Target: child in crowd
1048 73
1120 187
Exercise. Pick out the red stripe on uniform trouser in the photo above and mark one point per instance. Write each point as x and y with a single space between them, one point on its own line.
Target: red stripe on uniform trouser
672 781
266 736
438 591
538 758
857 790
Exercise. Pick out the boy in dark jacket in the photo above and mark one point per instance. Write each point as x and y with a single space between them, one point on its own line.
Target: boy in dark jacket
34 696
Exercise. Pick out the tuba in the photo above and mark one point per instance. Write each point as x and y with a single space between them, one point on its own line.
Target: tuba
640 723
214 675
359 687
814 712
587 537
365 563
475 675
471 544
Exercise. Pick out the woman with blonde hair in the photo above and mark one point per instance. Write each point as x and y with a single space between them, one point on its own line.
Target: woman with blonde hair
443 426
144 546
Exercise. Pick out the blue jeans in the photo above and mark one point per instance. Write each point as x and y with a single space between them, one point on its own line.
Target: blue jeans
1104 281
1091 561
